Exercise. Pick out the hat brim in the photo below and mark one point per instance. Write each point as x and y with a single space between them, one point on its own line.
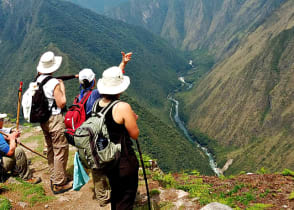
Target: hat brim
113 90
2 116
43 70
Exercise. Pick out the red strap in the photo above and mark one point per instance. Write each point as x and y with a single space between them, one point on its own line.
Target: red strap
85 98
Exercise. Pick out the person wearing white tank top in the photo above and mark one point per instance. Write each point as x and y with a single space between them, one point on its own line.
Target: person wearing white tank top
53 129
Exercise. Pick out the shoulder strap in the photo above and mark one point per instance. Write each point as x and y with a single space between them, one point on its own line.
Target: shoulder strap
105 109
45 81
85 97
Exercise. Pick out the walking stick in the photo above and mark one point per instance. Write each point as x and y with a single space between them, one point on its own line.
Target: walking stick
21 144
18 104
144 173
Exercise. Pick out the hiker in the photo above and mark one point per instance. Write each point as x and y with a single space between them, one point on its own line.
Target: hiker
83 103
53 128
13 158
87 82
121 124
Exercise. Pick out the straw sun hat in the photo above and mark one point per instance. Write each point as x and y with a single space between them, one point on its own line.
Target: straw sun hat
49 63
113 81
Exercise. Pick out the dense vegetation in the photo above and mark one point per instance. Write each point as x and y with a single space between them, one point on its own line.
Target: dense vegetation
88 40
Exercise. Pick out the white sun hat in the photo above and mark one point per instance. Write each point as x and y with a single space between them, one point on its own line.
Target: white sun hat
3 115
49 63
87 74
113 81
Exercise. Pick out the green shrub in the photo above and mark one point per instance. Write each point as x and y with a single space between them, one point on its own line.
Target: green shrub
154 192
287 172
5 203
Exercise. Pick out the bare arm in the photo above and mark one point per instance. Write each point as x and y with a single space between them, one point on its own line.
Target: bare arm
59 95
123 114
12 142
125 59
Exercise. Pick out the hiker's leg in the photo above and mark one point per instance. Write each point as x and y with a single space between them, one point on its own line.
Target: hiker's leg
18 164
50 152
124 183
60 149
101 187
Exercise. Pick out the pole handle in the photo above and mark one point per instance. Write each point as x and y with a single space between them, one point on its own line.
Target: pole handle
18 104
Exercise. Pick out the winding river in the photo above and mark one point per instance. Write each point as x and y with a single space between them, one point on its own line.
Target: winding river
181 125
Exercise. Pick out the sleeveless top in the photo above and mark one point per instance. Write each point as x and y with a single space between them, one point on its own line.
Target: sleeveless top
117 132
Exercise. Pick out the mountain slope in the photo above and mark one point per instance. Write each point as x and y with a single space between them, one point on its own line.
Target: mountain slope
198 24
99 6
246 102
85 39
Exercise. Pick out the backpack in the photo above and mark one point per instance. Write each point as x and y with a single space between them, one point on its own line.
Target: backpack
35 104
92 140
76 114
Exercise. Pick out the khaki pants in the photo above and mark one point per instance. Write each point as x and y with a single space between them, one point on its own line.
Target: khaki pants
57 145
101 187
17 164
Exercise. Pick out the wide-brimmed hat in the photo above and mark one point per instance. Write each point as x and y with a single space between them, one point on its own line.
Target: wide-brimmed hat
3 115
87 74
113 81
49 63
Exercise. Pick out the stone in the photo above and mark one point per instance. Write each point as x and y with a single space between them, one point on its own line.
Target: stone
216 206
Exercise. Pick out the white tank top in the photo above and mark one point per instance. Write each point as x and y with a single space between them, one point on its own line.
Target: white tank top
48 91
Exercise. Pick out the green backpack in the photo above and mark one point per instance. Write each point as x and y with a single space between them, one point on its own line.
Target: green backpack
95 149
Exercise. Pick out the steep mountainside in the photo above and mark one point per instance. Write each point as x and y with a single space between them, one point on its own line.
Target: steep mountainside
247 102
217 25
85 39
99 6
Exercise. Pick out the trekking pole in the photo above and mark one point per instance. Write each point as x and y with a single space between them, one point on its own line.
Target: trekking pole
18 104
21 144
144 173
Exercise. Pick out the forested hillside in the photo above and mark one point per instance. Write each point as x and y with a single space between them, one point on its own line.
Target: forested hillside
99 6
215 25
246 102
85 39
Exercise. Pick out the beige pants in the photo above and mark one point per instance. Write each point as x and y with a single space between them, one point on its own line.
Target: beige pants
57 145
17 164
101 187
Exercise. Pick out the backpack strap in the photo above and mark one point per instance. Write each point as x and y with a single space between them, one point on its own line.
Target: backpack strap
41 84
84 99
104 110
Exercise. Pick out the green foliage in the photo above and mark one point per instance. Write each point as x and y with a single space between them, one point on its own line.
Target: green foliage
162 142
31 193
287 172
154 192
291 196
263 171
5 203
259 206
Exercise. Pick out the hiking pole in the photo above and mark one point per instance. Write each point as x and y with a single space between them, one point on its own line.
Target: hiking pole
144 173
18 104
21 144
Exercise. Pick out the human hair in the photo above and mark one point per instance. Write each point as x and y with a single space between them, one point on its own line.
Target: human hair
111 97
86 84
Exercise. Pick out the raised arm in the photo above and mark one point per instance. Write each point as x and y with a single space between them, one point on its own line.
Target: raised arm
125 59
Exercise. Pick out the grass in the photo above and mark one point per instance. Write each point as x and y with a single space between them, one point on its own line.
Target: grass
5 203
30 193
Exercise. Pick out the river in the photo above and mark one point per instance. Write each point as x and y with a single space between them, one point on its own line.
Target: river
181 125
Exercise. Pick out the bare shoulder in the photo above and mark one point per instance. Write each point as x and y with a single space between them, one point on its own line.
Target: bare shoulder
123 106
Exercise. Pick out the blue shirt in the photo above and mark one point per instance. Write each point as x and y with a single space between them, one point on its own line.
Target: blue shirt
91 100
4 147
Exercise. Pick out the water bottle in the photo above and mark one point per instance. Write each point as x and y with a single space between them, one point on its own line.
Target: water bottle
102 142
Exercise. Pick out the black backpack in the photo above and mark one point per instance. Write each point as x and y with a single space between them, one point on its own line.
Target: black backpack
40 111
